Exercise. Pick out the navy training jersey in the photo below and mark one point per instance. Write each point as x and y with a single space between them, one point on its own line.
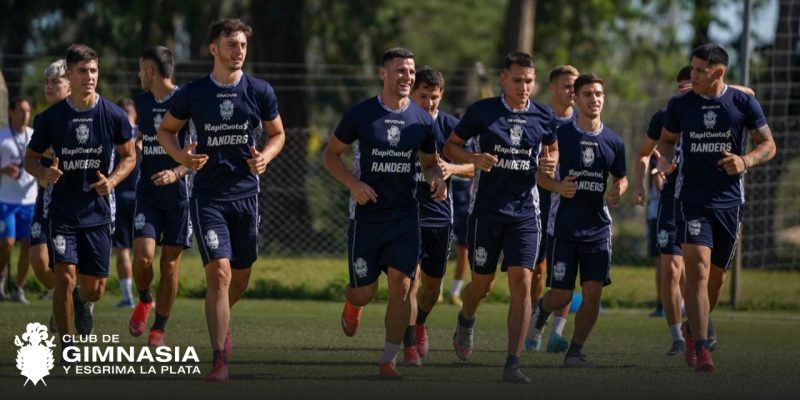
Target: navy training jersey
227 120
150 112
706 127
128 185
589 156
544 194
434 213
83 141
385 145
505 194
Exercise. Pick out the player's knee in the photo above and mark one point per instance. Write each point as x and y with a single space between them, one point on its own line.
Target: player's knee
218 276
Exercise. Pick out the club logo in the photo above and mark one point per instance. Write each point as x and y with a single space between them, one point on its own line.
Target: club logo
138 222
516 135
212 240
587 156
480 256
663 238
694 227
157 121
393 135
60 244
82 133
559 270
226 110
710 119
36 230
360 267
35 354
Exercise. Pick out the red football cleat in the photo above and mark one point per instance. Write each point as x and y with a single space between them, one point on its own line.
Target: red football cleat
155 338
351 315
219 373
138 322
704 361
388 370
421 332
411 357
691 355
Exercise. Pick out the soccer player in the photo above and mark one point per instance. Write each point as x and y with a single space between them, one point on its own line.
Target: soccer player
562 91
386 132
83 130
125 195
710 122
229 109
580 224
17 192
508 131
435 219
162 198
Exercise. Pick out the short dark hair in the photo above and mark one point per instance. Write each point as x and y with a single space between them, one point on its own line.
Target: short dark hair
429 77
685 74
227 26
396 52
586 79
162 58
12 103
520 58
79 53
713 53
562 70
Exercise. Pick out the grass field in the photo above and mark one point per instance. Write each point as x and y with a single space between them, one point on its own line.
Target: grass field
295 349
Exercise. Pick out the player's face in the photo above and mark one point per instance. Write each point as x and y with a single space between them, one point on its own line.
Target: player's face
230 51
590 99
562 90
684 86
398 75
704 75
145 73
21 114
83 77
428 98
517 82
55 89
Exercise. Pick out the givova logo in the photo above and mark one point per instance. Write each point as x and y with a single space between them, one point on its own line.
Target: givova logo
35 353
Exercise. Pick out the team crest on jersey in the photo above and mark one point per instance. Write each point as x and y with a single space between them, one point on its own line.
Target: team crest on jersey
393 135
360 268
710 119
559 270
516 135
226 109
36 230
587 156
212 240
82 133
60 244
138 222
157 121
663 238
694 227
480 256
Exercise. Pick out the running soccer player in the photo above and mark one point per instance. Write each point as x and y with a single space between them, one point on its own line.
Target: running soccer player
710 122
228 108
125 195
562 92
83 131
580 224
386 133
435 219
508 131
162 198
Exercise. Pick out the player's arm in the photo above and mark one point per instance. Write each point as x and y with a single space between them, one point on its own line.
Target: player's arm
619 184
168 139
127 161
764 151
33 165
641 163
332 158
433 175
666 150
565 187
454 150
549 159
276 137
745 89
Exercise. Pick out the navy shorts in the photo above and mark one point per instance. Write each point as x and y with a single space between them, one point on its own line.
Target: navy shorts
434 250
88 248
714 228
374 246
652 238
166 227
665 225
565 258
227 229
125 204
541 255
518 241
460 228
40 226
15 220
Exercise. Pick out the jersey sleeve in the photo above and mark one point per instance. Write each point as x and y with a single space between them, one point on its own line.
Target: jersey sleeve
655 126
180 105
755 118
618 167
671 122
123 131
431 130
469 126
347 130
268 104
40 140
550 127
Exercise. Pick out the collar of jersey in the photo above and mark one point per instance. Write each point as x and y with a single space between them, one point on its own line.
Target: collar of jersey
724 90
595 133
169 96
225 85
72 106
392 110
509 108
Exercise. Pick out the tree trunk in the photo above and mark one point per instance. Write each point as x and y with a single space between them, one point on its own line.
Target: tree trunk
701 20
519 26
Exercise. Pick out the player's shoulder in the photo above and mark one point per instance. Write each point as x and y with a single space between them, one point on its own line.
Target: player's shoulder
418 113
55 109
447 118
543 110
110 107
611 136
369 105
144 97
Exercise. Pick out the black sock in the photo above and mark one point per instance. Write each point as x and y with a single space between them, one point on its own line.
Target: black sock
543 314
145 296
160 322
574 349
511 360
466 323
699 344
220 355
409 337
421 316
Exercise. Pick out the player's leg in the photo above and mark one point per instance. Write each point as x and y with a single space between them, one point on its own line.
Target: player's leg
144 250
517 321
672 270
364 243
411 356
462 258
7 238
23 219
436 248
653 251
123 241
398 312
562 270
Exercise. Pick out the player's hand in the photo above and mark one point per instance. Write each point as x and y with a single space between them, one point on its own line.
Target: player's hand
658 179
165 177
191 160
12 170
637 195
438 189
257 161
447 169
52 173
104 185
363 193
567 187
665 167
484 161
547 164
614 194
733 164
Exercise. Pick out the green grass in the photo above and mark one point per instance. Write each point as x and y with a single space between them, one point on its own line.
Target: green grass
295 349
